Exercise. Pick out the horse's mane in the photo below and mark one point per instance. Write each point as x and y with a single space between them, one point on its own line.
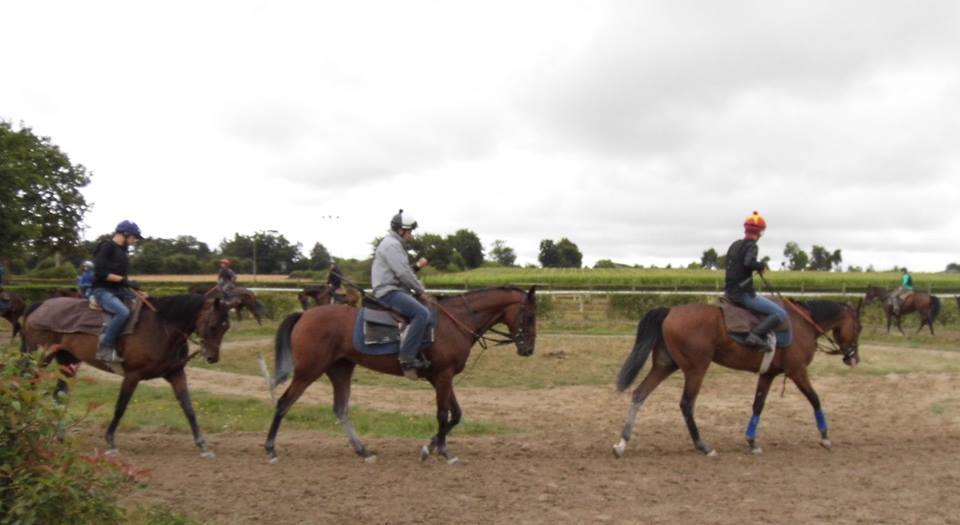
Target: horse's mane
179 309
823 311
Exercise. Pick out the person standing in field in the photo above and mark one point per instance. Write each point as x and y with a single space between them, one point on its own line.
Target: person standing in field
396 285
111 285
741 263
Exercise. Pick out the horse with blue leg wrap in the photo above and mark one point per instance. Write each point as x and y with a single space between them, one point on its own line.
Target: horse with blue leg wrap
692 336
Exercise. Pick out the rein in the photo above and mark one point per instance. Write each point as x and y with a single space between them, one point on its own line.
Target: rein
834 349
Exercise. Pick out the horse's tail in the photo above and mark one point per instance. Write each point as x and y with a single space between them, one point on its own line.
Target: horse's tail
283 363
649 333
934 308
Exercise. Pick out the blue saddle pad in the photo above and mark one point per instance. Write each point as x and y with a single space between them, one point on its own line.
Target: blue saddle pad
364 348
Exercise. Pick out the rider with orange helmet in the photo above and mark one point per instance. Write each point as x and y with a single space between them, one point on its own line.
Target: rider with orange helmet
741 263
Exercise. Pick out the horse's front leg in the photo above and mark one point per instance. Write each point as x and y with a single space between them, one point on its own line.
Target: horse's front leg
448 415
178 380
127 389
759 399
802 381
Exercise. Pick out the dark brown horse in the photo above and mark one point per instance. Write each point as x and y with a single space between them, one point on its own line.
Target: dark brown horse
325 295
241 298
320 341
690 337
157 348
14 311
926 305
64 292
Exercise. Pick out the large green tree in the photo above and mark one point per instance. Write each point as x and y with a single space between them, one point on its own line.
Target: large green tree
561 254
41 207
274 253
503 254
468 245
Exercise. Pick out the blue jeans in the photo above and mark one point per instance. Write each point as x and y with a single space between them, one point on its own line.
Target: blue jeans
419 317
111 300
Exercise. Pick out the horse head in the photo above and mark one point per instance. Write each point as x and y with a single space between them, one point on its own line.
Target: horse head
521 319
847 333
875 293
212 322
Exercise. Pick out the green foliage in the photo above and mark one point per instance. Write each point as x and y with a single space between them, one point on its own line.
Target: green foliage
710 260
64 271
605 264
181 255
797 259
562 254
41 207
467 244
274 253
278 305
502 254
319 258
43 477
823 260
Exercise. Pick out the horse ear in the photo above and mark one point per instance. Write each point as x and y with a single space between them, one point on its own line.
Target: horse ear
859 307
532 293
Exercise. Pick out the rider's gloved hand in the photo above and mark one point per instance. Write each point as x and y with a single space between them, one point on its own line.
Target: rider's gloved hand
131 284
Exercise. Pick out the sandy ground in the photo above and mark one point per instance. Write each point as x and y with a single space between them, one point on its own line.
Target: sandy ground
896 442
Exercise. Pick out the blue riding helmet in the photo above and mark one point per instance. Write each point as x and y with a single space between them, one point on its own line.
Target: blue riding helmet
129 228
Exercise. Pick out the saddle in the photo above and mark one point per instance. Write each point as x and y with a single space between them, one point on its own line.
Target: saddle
382 325
740 322
68 315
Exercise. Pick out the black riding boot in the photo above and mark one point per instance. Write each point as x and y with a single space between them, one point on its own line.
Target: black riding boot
758 335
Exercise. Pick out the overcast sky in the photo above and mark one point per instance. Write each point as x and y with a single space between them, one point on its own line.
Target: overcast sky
643 131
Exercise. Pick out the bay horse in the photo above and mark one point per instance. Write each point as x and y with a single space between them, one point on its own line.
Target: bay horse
14 311
157 348
325 295
242 298
926 305
320 341
691 336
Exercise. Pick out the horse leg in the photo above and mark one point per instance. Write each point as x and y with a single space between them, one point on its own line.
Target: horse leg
899 328
759 399
127 388
693 379
448 415
658 372
178 381
340 374
289 397
802 380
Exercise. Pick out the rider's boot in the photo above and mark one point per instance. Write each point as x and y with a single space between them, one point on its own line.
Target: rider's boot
758 335
108 353
415 363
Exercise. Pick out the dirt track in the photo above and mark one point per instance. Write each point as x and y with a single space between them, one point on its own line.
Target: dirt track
894 460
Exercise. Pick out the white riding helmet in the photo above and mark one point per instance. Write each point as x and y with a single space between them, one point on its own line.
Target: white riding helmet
87 265
403 221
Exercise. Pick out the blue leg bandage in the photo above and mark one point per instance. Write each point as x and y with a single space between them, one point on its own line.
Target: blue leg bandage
752 427
821 420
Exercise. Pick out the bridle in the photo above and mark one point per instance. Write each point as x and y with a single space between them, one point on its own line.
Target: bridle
479 335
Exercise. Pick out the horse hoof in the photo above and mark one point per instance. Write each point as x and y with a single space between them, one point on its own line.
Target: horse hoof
826 443
756 451
619 449
712 453
424 453
208 455
273 460
372 458
453 461
111 452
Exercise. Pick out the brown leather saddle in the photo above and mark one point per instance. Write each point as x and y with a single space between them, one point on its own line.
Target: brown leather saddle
740 321
382 325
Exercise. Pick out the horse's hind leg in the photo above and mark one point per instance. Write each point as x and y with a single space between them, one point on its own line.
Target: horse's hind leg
340 374
663 366
289 397
802 380
693 379
759 399
178 380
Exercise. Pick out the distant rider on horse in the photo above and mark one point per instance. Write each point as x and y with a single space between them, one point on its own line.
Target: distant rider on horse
226 279
741 263
111 285
85 279
396 285
335 281
903 292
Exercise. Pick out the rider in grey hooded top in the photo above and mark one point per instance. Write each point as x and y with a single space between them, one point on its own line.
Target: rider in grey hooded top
395 285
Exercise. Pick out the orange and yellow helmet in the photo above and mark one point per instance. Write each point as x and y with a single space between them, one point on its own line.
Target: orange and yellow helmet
754 223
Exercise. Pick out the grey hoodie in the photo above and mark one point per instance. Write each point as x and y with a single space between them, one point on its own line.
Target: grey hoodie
391 268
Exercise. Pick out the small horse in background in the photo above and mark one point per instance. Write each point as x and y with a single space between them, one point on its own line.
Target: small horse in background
690 337
326 295
14 311
240 298
926 305
320 341
157 348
